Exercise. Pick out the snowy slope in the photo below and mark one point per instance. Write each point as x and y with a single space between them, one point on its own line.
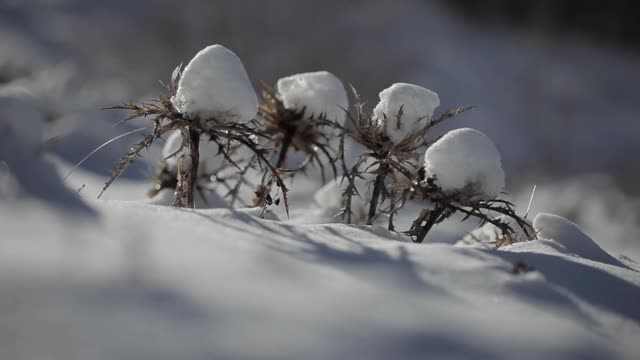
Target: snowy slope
152 282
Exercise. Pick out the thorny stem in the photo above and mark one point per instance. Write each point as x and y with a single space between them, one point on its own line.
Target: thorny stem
377 190
433 218
392 211
286 142
194 144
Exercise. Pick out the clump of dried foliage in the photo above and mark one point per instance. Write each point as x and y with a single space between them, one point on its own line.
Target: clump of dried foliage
494 211
390 166
227 136
391 170
293 129
297 129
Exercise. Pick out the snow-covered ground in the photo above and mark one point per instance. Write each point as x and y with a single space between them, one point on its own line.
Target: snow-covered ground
134 280
128 278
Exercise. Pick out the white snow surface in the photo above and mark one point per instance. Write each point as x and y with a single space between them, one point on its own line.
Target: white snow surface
140 280
215 84
466 160
21 122
146 281
417 103
210 160
570 237
319 92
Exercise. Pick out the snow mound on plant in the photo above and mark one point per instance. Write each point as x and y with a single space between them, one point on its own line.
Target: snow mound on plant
319 92
571 238
466 160
417 103
210 160
21 122
215 85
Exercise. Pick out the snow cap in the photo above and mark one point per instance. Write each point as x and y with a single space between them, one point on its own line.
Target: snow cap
418 105
319 92
215 85
466 159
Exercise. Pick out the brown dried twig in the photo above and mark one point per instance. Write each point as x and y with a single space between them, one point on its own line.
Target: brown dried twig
445 205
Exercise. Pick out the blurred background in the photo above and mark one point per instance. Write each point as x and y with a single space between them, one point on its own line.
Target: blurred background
555 83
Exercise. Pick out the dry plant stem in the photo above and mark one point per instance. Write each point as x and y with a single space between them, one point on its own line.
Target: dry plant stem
194 144
377 190
434 215
392 211
286 143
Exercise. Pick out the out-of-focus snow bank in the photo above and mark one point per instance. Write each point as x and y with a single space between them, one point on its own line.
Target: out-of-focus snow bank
157 282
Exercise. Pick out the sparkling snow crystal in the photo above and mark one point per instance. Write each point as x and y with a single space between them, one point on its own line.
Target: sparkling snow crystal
418 105
215 85
465 160
210 160
320 92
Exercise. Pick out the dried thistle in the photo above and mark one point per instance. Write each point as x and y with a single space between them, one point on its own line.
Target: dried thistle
218 167
445 204
386 163
298 129
165 118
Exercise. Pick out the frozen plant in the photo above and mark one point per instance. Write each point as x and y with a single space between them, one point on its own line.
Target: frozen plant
167 172
392 138
211 99
213 169
330 197
302 112
463 173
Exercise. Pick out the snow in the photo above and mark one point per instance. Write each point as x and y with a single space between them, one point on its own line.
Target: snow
417 103
21 122
157 282
28 174
318 92
596 203
215 85
149 281
465 160
570 237
141 281
207 199
210 160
